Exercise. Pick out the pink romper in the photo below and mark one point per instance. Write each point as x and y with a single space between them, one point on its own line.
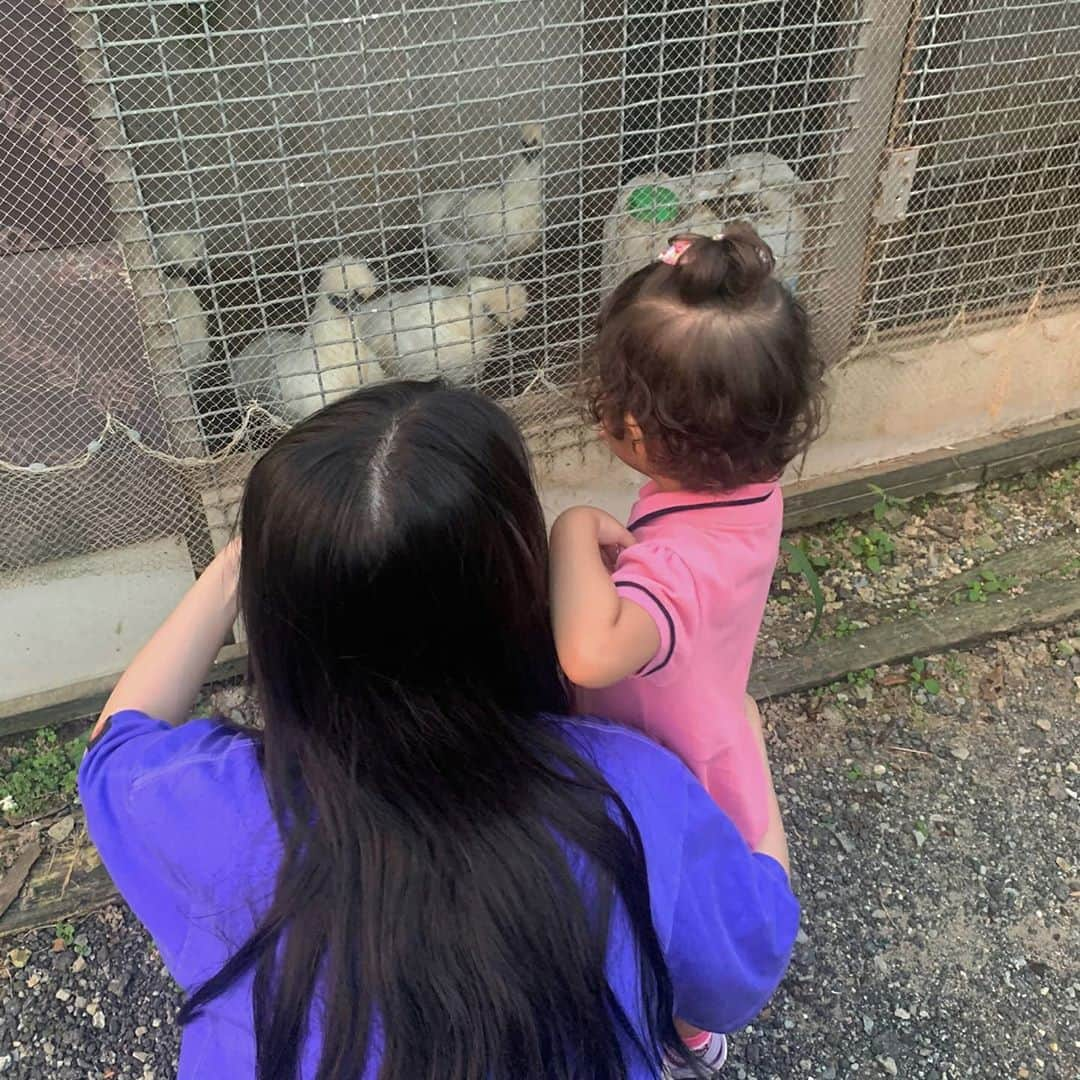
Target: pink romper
702 569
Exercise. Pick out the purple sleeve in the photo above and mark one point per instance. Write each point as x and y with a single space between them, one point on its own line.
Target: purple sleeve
151 800
734 923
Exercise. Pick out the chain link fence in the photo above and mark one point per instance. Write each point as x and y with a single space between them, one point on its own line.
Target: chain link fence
216 215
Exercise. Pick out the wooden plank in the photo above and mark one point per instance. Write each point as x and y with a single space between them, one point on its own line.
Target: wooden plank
71 884
844 252
1044 603
976 462
53 707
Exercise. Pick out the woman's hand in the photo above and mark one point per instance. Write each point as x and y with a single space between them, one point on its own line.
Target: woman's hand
164 678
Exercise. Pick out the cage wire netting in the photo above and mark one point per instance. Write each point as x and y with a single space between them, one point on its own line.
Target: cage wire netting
990 96
217 215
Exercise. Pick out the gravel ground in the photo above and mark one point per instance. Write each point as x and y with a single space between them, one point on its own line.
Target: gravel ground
935 841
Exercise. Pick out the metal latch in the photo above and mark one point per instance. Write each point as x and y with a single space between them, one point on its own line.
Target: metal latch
897 179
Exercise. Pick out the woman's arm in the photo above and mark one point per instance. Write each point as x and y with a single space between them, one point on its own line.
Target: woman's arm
600 637
774 842
164 678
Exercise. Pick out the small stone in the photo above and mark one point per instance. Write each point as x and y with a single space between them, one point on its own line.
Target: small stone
80 1002
140 1056
868 1025
1043 724
961 753
19 957
140 1032
99 1020
888 1064
62 829
879 770
901 1013
79 965
1022 1073
63 995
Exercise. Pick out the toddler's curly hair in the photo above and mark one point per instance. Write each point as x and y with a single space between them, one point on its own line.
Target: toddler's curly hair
711 357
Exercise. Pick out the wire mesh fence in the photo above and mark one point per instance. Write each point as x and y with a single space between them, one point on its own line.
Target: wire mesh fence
991 99
218 215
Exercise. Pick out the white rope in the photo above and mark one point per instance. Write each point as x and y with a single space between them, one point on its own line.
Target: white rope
115 426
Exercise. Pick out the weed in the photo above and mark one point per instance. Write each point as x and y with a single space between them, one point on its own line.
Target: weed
855 773
65 932
886 502
35 776
844 627
921 681
874 547
860 678
955 666
801 561
980 588
1065 481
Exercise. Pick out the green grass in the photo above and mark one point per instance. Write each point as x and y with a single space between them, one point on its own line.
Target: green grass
984 585
37 776
921 681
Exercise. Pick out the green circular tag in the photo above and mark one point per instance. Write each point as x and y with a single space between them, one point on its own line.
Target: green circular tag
653 203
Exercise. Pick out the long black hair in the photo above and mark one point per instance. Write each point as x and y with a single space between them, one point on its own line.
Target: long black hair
451 865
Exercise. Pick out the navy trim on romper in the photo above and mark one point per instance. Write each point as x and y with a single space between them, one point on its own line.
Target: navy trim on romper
645 519
667 615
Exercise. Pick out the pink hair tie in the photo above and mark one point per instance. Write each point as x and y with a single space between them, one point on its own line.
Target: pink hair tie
675 252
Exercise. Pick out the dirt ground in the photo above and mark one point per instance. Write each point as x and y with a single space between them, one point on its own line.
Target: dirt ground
932 811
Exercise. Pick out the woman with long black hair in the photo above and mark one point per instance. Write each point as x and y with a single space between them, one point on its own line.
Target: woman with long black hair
421 868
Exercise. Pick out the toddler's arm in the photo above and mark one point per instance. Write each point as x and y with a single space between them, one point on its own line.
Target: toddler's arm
600 637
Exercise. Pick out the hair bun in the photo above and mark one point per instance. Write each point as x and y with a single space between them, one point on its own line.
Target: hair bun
736 264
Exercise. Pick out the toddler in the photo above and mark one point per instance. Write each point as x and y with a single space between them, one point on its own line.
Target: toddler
706 383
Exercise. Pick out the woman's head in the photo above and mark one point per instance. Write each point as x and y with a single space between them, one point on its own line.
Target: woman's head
449 863
705 374
396 537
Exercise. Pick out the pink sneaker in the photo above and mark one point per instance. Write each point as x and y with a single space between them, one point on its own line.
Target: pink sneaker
710 1058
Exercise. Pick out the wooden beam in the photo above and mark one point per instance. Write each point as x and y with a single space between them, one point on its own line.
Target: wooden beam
976 462
66 703
1043 603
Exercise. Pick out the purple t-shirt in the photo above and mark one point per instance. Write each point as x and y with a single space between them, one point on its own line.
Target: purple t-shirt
182 822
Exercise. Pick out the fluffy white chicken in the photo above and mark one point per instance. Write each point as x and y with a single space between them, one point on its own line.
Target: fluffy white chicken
445 330
473 230
768 188
185 250
300 373
188 323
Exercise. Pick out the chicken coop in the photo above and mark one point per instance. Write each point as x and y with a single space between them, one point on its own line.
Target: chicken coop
218 215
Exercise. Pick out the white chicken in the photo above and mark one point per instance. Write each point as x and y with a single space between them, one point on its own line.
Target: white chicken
188 323
444 330
767 187
186 250
300 373
470 231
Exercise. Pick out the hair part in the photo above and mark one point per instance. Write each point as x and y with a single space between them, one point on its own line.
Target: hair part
433 816
712 359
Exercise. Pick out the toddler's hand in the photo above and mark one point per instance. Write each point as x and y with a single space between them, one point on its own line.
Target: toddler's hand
609 533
